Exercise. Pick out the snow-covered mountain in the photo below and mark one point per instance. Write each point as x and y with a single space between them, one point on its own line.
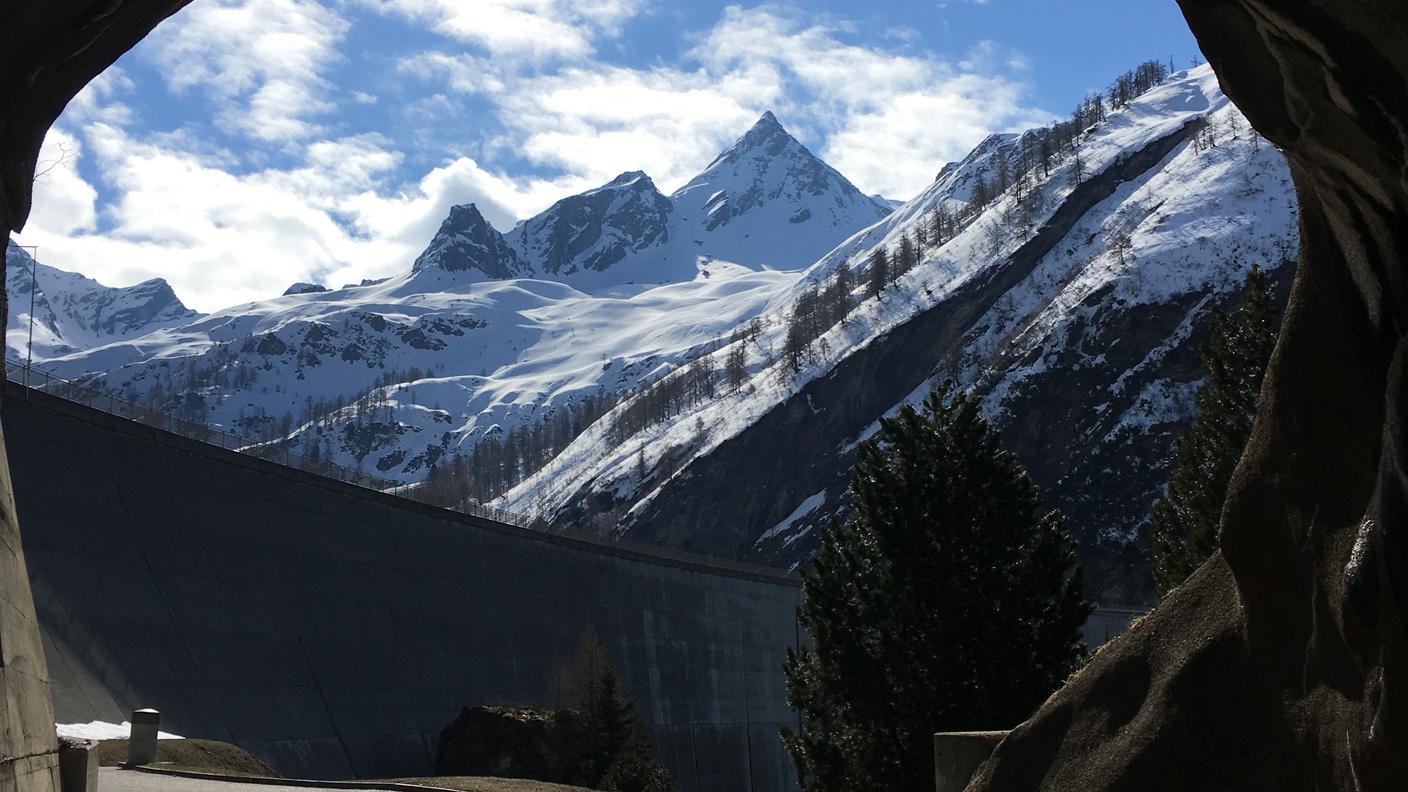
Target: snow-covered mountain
765 202
487 332
467 243
72 312
586 235
1074 305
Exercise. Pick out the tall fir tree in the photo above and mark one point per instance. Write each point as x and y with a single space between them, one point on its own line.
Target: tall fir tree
948 601
877 276
1184 521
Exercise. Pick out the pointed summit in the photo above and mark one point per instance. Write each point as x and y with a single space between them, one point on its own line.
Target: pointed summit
773 181
629 179
466 242
766 138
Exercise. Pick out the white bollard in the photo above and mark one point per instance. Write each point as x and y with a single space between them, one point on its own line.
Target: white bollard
141 745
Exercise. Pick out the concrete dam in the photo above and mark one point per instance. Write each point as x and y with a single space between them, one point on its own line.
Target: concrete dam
334 631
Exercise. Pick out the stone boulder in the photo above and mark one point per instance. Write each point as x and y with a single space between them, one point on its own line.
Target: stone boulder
507 742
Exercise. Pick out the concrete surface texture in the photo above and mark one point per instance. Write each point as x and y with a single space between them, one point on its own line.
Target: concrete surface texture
29 759
112 779
333 631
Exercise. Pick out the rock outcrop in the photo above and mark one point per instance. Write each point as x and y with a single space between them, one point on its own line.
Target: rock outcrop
1279 664
467 242
505 742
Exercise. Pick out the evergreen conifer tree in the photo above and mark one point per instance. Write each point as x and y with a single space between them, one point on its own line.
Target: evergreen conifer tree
948 601
878 275
1184 521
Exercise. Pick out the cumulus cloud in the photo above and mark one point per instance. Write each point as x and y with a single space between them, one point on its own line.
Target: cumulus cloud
884 119
551 117
63 202
888 120
263 60
535 30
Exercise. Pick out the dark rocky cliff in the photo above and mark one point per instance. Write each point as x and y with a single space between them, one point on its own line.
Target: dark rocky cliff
1277 665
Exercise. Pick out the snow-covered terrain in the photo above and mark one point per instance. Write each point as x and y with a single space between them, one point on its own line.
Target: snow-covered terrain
1086 357
72 313
765 202
101 730
487 332
1072 303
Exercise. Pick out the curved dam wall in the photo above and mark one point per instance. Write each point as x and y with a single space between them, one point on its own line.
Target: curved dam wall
334 631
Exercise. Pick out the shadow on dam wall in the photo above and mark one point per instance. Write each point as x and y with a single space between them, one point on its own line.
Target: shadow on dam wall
333 631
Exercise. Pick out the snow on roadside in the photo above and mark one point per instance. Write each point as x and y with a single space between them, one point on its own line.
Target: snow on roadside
102 730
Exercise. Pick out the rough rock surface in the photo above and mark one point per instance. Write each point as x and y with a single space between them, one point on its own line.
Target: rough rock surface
508 742
466 241
1280 663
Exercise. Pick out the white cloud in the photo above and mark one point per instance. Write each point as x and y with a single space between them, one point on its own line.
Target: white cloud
889 120
188 208
222 239
63 202
886 120
263 60
534 30
598 123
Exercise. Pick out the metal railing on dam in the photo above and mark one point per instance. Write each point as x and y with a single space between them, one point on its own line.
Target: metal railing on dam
35 378
334 630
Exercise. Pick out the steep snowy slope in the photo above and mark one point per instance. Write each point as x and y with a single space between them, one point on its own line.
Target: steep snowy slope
1076 313
72 312
445 359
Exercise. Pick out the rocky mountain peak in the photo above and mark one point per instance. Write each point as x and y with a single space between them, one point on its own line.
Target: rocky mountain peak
767 167
596 229
465 242
73 312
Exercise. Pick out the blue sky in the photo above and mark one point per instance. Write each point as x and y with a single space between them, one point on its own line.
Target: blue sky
248 144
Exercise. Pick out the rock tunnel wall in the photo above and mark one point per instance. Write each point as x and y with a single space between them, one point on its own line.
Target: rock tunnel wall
333 631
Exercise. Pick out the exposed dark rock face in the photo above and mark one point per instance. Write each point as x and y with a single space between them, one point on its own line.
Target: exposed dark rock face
1279 664
305 288
467 242
598 228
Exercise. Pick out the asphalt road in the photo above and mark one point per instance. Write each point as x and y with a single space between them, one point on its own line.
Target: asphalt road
112 779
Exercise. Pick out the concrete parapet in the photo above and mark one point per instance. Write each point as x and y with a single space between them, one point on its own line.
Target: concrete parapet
957 756
78 765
